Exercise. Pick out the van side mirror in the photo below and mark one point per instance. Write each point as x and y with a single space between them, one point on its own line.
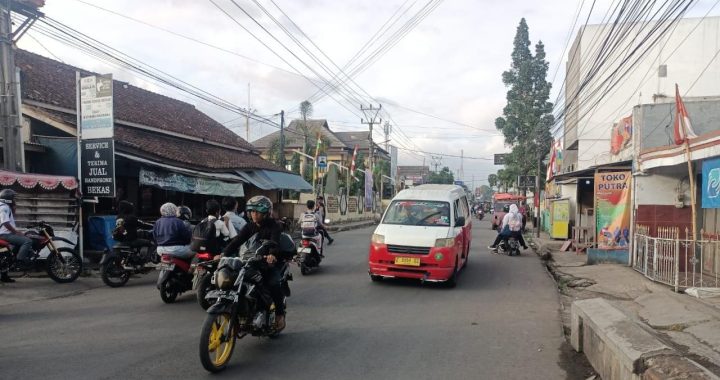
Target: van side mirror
460 221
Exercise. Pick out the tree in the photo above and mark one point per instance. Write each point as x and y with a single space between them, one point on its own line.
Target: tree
306 110
492 180
527 117
274 153
360 183
485 193
444 176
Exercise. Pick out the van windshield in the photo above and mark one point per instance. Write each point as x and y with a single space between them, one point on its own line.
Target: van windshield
418 213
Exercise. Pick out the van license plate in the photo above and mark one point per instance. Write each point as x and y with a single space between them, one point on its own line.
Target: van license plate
411 261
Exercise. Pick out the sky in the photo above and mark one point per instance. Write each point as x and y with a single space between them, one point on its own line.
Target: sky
448 66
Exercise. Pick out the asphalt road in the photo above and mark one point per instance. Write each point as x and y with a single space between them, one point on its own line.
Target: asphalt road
501 322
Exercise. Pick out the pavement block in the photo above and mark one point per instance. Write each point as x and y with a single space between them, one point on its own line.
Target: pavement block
675 367
616 346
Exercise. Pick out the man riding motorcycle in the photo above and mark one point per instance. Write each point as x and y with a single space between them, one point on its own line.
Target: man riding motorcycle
511 227
9 233
260 209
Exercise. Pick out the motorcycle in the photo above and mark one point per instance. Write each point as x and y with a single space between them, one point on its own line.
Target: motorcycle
63 264
177 275
511 248
202 278
125 260
480 214
243 304
310 252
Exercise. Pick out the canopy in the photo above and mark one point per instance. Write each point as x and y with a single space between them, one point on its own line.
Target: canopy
31 180
273 180
188 184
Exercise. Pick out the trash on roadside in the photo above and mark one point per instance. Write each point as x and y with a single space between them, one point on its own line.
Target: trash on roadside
703 292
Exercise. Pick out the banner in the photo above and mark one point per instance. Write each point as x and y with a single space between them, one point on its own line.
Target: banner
187 184
711 183
612 209
97 167
620 135
96 107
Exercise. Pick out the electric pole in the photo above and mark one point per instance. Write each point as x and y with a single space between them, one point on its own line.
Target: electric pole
387 129
282 139
371 120
247 118
436 161
461 174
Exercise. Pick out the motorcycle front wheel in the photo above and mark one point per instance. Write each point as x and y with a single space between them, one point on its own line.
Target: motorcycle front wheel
217 341
113 274
66 268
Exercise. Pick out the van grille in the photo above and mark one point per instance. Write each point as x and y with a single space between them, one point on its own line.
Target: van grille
408 249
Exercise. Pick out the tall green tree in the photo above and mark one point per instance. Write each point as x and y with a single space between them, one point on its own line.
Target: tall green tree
444 176
492 180
527 117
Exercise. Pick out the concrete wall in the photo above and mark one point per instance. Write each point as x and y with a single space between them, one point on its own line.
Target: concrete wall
654 122
642 84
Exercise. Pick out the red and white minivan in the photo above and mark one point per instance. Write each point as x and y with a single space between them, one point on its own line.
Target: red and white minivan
424 234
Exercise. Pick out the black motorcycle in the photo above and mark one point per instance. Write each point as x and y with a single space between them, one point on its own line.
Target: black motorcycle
511 248
125 260
244 304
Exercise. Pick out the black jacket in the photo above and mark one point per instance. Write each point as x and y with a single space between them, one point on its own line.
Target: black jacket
269 229
131 224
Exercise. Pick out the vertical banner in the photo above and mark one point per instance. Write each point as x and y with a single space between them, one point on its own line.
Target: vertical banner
98 167
368 190
711 183
96 107
612 209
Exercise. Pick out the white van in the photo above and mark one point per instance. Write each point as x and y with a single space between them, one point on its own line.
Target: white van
425 234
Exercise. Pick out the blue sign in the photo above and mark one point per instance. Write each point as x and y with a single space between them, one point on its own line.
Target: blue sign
711 183
459 183
322 161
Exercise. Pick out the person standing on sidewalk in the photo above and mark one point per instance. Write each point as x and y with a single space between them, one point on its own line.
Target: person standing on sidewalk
8 232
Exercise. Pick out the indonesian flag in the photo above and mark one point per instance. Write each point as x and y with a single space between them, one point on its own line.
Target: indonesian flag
683 129
352 164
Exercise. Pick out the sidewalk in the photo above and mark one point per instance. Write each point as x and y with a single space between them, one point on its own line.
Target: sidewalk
690 327
351 225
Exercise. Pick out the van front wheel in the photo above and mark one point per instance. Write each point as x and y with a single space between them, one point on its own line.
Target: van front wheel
452 281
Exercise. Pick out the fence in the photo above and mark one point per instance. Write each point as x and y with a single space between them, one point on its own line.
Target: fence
680 263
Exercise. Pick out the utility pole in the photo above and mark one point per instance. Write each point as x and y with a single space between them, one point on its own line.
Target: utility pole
10 103
247 117
462 172
282 139
371 120
437 161
387 129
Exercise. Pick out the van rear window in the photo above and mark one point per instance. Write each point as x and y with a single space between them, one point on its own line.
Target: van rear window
418 213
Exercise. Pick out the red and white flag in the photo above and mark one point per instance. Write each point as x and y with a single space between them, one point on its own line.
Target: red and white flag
352 164
683 129
551 164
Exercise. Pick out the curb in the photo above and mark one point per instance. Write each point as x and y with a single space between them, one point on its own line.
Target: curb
353 226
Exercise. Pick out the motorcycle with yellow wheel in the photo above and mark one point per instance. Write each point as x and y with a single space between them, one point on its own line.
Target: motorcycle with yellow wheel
243 304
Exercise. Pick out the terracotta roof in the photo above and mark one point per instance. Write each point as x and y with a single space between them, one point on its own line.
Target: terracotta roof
294 135
51 82
169 149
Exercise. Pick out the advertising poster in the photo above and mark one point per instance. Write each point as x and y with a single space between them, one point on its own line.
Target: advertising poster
96 107
612 209
368 190
711 183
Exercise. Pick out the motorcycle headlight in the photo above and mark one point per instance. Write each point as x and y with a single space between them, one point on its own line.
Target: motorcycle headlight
223 279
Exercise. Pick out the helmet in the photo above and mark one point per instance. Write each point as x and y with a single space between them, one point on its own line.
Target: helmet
184 213
7 196
259 203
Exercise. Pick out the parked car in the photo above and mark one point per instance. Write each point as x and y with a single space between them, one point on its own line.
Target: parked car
425 234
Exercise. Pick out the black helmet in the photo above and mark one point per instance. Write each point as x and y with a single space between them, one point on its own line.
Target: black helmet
259 203
184 213
7 196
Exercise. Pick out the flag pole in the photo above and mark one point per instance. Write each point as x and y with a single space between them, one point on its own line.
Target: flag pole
691 176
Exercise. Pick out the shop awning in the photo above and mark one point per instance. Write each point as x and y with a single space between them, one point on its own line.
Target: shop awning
29 180
273 180
188 184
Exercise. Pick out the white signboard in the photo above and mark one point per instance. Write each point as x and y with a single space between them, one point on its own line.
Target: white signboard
96 107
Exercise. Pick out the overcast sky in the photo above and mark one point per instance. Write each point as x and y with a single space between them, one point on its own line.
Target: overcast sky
449 65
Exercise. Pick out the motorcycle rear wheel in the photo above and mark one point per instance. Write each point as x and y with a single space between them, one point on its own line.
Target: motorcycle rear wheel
217 342
65 272
167 293
113 274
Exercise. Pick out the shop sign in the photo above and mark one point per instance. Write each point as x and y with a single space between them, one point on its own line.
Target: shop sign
711 183
97 165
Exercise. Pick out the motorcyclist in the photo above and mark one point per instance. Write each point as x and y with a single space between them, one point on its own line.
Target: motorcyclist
510 227
319 226
260 209
8 232
131 224
185 214
171 235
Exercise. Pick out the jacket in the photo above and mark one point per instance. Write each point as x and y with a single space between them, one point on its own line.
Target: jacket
269 229
131 224
171 231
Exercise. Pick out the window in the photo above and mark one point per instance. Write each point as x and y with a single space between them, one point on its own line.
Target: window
418 213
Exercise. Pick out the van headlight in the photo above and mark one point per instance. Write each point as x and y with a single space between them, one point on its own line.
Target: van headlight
442 243
378 239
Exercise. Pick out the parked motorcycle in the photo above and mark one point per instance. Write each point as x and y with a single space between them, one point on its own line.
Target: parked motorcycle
310 251
244 304
202 278
125 260
63 264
